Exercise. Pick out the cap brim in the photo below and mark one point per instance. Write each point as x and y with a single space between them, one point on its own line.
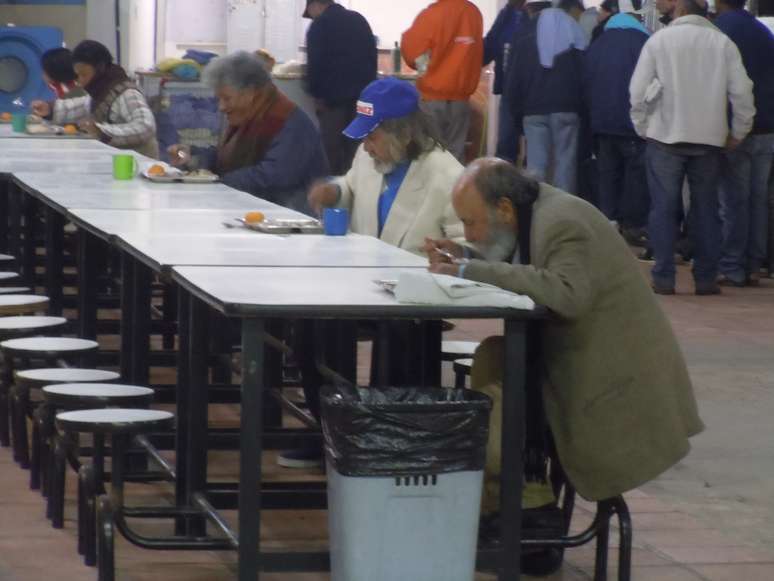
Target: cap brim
360 127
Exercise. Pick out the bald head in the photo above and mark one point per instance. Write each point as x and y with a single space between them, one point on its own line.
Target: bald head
687 7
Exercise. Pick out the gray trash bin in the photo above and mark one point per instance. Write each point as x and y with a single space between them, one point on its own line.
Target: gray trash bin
405 474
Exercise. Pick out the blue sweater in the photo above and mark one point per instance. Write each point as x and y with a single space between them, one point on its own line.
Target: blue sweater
293 160
756 44
502 33
608 66
341 55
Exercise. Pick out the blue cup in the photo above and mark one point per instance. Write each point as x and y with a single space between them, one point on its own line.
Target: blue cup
335 221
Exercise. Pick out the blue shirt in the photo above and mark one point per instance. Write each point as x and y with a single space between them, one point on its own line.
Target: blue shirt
393 181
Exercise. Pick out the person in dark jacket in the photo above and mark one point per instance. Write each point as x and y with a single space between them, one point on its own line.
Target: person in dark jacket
341 61
607 70
498 44
544 92
743 191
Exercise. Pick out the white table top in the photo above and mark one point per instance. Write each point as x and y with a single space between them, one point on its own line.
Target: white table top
310 292
105 193
43 164
245 248
111 223
35 145
7 132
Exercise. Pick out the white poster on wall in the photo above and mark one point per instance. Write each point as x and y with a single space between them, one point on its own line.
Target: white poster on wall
245 25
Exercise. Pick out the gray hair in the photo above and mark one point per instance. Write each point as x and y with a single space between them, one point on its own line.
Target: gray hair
496 179
411 136
240 70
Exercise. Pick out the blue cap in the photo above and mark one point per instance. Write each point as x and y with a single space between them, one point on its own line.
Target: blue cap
387 98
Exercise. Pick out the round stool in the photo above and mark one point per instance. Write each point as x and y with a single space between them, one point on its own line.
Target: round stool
14 290
42 417
462 369
28 350
121 424
22 304
7 276
6 258
20 326
453 350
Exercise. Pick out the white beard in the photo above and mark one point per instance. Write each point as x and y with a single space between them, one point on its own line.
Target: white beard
500 246
383 167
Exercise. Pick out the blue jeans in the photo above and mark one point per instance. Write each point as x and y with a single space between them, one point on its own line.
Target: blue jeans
507 133
553 138
623 186
666 169
743 206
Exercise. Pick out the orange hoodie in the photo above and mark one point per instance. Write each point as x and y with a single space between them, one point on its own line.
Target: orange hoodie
451 31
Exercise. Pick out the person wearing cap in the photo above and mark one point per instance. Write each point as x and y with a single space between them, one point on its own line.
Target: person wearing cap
269 146
450 34
680 104
341 61
607 71
544 93
615 388
399 186
744 187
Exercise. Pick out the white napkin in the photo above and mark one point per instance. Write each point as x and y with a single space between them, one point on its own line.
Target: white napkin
421 287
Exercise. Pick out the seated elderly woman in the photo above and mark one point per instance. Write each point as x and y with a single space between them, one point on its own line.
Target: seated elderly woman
269 147
114 111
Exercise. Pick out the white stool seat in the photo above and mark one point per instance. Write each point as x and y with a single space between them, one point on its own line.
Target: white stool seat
463 363
101 390
114 420
458 348
6 258
30 323
7 275
14 290
49 345
66 375
21 304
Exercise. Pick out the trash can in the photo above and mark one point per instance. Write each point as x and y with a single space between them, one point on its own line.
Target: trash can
405 474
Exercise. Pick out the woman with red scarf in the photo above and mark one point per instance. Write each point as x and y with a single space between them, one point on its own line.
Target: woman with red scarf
114 110
59 75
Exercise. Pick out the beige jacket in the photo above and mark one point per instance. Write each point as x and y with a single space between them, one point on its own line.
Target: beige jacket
421 208
617 393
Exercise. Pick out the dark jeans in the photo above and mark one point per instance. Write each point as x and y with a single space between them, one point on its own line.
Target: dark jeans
623 186
666 169
339 148
507 133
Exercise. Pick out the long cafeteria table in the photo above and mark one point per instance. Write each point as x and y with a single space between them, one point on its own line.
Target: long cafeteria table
177 231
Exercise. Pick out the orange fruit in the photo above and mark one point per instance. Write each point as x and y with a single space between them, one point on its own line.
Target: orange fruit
5 116
70 129
156 170
254 217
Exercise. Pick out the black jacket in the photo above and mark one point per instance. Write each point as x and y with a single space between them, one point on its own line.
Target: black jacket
341 55
533 90
502 33
608 66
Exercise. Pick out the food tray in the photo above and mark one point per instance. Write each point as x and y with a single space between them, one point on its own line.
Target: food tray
286 226
49 130
175 175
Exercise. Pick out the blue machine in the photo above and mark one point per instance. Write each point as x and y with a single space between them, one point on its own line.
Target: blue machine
20 72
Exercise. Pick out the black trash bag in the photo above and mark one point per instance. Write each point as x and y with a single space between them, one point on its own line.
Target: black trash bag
404 431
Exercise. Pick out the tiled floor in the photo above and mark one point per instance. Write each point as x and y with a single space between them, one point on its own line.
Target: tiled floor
709 519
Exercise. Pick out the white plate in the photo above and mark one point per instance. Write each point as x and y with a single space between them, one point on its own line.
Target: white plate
175 175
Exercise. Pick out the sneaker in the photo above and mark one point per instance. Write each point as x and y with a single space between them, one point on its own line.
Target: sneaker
707 288
723 280
300 458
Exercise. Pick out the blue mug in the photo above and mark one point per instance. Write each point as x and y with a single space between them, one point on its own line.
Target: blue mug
335 221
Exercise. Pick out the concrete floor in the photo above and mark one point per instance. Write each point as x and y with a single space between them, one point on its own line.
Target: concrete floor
710 518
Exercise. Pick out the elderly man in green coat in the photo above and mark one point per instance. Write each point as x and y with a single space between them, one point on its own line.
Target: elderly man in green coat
616 391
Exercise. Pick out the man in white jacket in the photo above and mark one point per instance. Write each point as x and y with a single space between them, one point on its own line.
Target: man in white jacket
399 186
687 76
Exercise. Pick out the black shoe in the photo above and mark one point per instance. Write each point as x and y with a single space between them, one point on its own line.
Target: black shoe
646 255
663 290
301 458
635 236
707 288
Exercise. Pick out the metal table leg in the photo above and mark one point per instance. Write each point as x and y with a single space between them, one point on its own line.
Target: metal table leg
182 415
141 319
88 252
5 189
251 448
127 315
27 260
54 259
15 200
511 476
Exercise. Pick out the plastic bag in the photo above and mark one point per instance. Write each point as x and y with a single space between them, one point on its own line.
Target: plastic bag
404 431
